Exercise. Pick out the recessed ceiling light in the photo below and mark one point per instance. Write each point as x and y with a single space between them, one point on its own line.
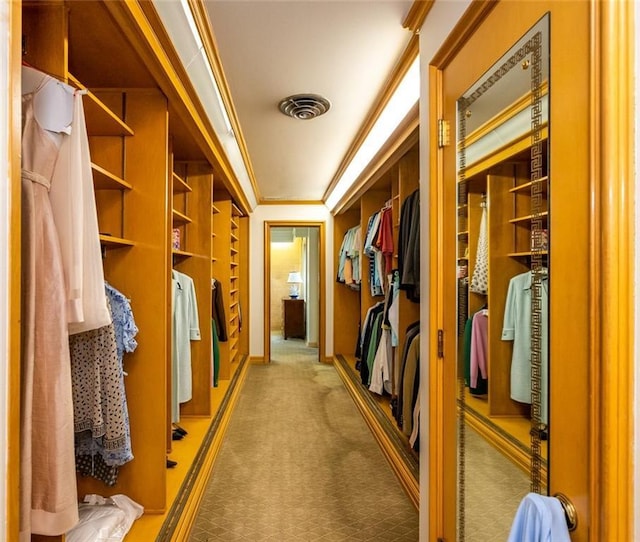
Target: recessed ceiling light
304 106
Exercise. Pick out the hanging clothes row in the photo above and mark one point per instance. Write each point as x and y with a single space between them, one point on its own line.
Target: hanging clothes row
378 247
103 434
349 258
381 373
218 327
405 407
62 290
185 328
517 326
409 246
475 352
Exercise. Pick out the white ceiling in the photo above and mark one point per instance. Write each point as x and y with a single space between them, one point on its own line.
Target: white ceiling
342 50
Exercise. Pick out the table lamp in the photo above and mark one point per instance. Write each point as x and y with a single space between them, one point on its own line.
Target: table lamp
294 279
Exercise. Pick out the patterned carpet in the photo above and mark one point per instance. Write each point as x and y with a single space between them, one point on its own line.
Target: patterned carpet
494 488
298 463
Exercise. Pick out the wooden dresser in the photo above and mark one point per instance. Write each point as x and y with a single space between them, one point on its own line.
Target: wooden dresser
293 314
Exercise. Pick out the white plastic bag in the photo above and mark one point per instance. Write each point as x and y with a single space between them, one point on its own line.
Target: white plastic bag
104 519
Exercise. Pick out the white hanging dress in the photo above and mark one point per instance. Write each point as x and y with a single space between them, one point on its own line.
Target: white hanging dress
48 502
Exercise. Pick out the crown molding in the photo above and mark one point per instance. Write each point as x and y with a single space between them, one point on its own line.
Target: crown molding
417 14
142 26
408 56
203 23
290 202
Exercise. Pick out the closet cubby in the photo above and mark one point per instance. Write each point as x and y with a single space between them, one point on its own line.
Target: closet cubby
226 269
192 183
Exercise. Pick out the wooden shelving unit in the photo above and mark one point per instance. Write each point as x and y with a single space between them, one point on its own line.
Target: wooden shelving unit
400 180
149 150
226 269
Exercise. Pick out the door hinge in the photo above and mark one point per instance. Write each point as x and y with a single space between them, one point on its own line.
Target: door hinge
440 343
444 133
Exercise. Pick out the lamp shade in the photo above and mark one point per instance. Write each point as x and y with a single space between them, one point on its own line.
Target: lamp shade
294 277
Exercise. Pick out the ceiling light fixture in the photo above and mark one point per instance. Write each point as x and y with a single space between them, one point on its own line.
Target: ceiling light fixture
304 106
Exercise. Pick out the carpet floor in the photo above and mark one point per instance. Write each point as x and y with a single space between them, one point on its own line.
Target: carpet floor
298 463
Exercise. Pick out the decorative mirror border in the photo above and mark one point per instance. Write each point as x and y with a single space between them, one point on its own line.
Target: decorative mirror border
532 47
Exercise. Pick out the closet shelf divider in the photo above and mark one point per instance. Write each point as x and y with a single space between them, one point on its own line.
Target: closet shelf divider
101 121
179 218
110 241
179 184
105 180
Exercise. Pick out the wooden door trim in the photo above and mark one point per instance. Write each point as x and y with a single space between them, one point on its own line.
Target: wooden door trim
322 293
13 284
612 264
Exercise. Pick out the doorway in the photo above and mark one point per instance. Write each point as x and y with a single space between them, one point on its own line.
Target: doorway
294 285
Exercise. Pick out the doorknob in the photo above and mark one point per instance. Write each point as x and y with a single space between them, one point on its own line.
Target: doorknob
570 512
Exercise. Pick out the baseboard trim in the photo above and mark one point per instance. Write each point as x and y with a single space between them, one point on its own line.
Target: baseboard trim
181 517
403 463
255 360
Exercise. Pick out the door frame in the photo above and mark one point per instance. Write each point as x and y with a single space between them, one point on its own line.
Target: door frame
321 279
607 505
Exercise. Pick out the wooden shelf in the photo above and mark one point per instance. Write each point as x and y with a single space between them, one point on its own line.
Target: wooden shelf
234 225
109 241
234 237
101 121
179 218
214 209
463 233
233 250
105 180
234 264
524 186
526 254
528 218
181 253
179 184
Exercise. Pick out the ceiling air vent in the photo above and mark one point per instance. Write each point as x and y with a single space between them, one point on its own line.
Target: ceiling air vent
304 106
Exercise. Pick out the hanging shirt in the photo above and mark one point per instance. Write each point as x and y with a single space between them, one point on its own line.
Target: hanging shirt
479 346
74 211
539 519
517 328
409 247
480 277
384 242
381 371
186 329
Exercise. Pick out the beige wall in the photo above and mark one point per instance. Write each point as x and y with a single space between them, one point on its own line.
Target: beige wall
285 258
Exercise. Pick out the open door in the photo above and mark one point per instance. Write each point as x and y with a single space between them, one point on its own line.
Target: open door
294 285
527 205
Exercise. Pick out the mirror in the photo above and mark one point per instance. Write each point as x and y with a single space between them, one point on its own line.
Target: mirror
503 275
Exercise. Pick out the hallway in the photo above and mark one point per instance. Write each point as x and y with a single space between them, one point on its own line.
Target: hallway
298 463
